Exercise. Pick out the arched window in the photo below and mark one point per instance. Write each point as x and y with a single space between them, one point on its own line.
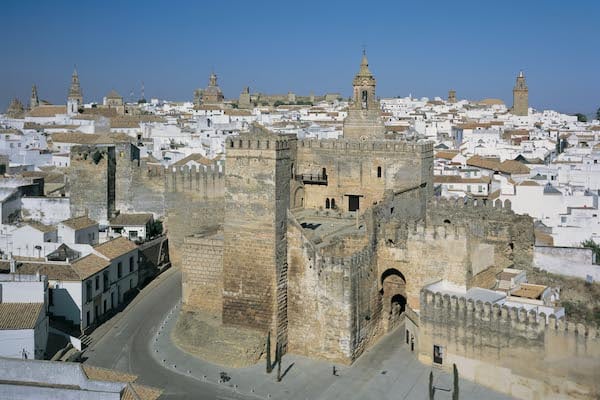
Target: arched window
326 203
364 99
333 204
379 172
324 172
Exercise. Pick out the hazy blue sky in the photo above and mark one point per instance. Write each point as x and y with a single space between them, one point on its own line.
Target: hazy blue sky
418 47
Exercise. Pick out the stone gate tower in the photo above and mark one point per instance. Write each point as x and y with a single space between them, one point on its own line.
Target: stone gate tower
257 197
520 96
364 113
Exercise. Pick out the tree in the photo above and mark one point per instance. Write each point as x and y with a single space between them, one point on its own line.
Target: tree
97 156
155 228
590 244
279 348
598 114
431 388
455 381
269 365
581 117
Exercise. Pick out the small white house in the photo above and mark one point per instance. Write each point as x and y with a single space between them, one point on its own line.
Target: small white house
80 230
131 226
89 289
23 317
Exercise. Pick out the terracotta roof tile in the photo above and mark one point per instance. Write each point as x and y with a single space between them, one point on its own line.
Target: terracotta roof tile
131 219
89 265
79 222
54 271
19 315
47 111
115 248
197 157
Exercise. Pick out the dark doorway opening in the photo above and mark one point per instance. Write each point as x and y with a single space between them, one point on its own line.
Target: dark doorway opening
353 203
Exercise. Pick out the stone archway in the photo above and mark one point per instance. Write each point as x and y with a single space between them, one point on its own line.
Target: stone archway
393 297
299 198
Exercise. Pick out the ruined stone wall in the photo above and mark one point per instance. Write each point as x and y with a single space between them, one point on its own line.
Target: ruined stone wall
255 252
526 355
333 303
511 235
202 272
188 199
352 168
91 183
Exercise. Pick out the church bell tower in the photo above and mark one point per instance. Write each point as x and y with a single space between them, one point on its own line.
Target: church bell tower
521 96
364 114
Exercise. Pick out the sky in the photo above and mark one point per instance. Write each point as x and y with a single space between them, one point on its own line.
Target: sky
422 48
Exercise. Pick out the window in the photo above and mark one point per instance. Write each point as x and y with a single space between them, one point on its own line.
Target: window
332 204
130 264
468 188
438 354
97 282
106 281
379 172
88 291
119 270
327 203
479 188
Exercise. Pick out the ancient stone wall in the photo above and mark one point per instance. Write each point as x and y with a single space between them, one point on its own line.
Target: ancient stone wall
333 301
512 235
255 251
362 168
202 269
91 181
524 354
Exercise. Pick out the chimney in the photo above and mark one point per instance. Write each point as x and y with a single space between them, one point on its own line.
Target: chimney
13 264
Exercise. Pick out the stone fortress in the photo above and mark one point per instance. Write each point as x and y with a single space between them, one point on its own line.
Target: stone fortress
330 244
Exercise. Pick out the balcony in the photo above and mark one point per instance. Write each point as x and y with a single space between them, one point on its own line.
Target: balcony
312 179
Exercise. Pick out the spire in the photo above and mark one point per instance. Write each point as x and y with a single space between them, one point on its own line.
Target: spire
521 74
75 89
364 65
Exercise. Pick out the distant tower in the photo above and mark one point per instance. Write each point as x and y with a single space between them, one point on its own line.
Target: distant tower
75 98
244 100
451 96
34 101
520 96
364 115
212 94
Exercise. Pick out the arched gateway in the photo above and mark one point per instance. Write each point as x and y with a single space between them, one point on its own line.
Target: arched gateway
393 292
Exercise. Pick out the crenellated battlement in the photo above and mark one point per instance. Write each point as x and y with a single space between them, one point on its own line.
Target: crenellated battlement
346 145
258 138
469 203
443 308
350 263
419 230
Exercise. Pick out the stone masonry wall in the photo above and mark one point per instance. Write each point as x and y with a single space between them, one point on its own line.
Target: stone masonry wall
255 252
526 355
202 268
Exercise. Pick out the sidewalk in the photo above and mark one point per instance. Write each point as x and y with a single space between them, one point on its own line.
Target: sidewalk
386 371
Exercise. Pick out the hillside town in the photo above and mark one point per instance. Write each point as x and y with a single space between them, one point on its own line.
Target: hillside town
100 197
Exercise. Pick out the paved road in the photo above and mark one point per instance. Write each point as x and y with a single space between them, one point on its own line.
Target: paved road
125 345
132 342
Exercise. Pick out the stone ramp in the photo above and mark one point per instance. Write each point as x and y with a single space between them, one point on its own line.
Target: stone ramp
203 335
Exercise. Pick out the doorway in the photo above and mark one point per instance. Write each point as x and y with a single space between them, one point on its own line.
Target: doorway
353 202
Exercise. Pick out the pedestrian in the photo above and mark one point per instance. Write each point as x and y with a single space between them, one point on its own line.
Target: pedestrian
334 371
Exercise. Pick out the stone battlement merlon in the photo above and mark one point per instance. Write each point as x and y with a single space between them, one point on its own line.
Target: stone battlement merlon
436 306
256 143
350 263
347 145
420 230
465 202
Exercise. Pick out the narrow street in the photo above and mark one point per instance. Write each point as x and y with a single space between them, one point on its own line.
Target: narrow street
126 344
